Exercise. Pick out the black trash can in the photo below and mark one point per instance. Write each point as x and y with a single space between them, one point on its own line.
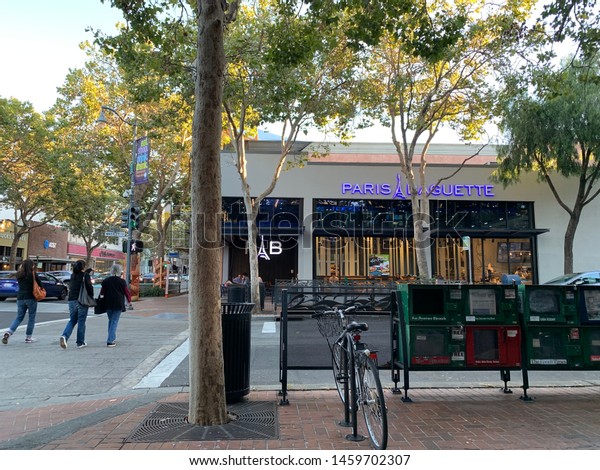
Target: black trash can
263 293
235 323
236 294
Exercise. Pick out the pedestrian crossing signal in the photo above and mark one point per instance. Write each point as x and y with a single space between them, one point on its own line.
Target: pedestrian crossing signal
135 246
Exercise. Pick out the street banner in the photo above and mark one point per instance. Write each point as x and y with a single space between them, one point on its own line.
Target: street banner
142 148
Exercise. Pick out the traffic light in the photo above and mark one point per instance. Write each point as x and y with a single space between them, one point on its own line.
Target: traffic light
125 218
134 216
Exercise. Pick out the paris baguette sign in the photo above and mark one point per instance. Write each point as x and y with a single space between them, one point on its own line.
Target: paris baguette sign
402 191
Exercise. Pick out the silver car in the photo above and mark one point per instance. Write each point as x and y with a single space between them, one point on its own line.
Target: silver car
576 279
64 276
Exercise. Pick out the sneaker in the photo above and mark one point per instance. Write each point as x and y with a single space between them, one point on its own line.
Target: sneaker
5 338
63 342
111 345
30 340
82 345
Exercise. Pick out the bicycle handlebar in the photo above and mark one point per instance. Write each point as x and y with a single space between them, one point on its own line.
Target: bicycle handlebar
336 310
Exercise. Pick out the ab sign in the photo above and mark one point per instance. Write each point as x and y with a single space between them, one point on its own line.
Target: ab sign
275 248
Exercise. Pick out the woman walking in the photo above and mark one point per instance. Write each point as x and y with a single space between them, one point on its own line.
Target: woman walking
77 312
114 290
25 301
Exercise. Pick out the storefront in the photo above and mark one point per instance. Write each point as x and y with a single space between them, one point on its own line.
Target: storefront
279 229
102 258
6 241
352 218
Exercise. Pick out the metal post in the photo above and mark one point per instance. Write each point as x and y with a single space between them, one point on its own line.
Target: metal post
133 123
131 203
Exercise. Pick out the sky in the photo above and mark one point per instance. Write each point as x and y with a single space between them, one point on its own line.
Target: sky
40 43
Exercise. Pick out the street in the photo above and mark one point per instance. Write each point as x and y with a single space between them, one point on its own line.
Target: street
309 357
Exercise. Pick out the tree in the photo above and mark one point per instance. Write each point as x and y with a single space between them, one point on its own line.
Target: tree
207 380
92 176
282 68
578 20
553 131
155 50
30 181
415 90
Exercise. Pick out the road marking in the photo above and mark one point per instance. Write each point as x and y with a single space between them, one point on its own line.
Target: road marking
166 367
269 327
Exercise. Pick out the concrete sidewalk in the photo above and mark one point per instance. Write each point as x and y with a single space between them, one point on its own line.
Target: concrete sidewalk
85 399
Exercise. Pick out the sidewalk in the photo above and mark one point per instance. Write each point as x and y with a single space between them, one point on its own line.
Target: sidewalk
84 399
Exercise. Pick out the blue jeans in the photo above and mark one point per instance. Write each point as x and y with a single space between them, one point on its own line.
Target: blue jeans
22 307
113 321
77 316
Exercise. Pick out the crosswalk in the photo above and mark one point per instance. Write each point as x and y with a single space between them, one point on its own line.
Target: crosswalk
157 376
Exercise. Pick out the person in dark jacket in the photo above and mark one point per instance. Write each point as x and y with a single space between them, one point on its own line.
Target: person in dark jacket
77 312
25 301
115 292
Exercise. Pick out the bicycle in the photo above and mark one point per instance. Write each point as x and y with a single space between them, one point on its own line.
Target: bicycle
355 374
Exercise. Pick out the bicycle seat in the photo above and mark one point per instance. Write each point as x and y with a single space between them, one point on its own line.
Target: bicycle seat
354 326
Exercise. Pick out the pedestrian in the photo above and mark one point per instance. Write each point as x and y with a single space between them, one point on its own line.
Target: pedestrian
77 312
115 292
241 279
25 301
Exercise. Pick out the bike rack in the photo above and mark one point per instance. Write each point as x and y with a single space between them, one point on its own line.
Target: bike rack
354 437
283 365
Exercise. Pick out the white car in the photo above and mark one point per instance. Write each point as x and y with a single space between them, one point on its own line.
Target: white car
576 279
64 276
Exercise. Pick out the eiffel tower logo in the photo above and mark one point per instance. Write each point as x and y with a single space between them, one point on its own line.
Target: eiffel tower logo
398 194
262 252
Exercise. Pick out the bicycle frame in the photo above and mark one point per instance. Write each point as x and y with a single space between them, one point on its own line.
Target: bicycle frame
352 347
355 367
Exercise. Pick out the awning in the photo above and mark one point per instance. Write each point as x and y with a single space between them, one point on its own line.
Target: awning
397 232
490 232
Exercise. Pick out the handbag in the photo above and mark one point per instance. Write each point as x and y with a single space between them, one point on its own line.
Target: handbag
85 299
38 292
100 306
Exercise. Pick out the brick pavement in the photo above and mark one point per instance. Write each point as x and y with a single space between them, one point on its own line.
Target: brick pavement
437 419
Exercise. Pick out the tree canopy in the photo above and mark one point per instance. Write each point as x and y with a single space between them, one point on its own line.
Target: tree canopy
552 130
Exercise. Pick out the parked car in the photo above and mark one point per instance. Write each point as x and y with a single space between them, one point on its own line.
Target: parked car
64 276
97 278
576 279
9 286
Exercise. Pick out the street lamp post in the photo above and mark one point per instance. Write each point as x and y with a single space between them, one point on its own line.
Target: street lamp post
102 120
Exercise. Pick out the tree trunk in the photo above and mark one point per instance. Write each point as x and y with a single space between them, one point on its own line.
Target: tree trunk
207 404
569 239
12 260
253 262
420 214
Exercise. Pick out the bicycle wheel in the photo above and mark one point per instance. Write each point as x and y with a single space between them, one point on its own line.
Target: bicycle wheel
372 401
340 371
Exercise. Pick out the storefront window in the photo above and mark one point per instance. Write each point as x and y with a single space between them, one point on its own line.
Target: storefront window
519 215
273 211
482 214
364 258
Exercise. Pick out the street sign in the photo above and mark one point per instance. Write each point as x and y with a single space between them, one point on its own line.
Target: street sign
115 234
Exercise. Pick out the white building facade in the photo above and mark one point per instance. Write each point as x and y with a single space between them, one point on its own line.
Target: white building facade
349 215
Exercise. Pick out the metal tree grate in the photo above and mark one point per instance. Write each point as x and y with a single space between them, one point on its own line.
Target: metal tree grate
168 422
